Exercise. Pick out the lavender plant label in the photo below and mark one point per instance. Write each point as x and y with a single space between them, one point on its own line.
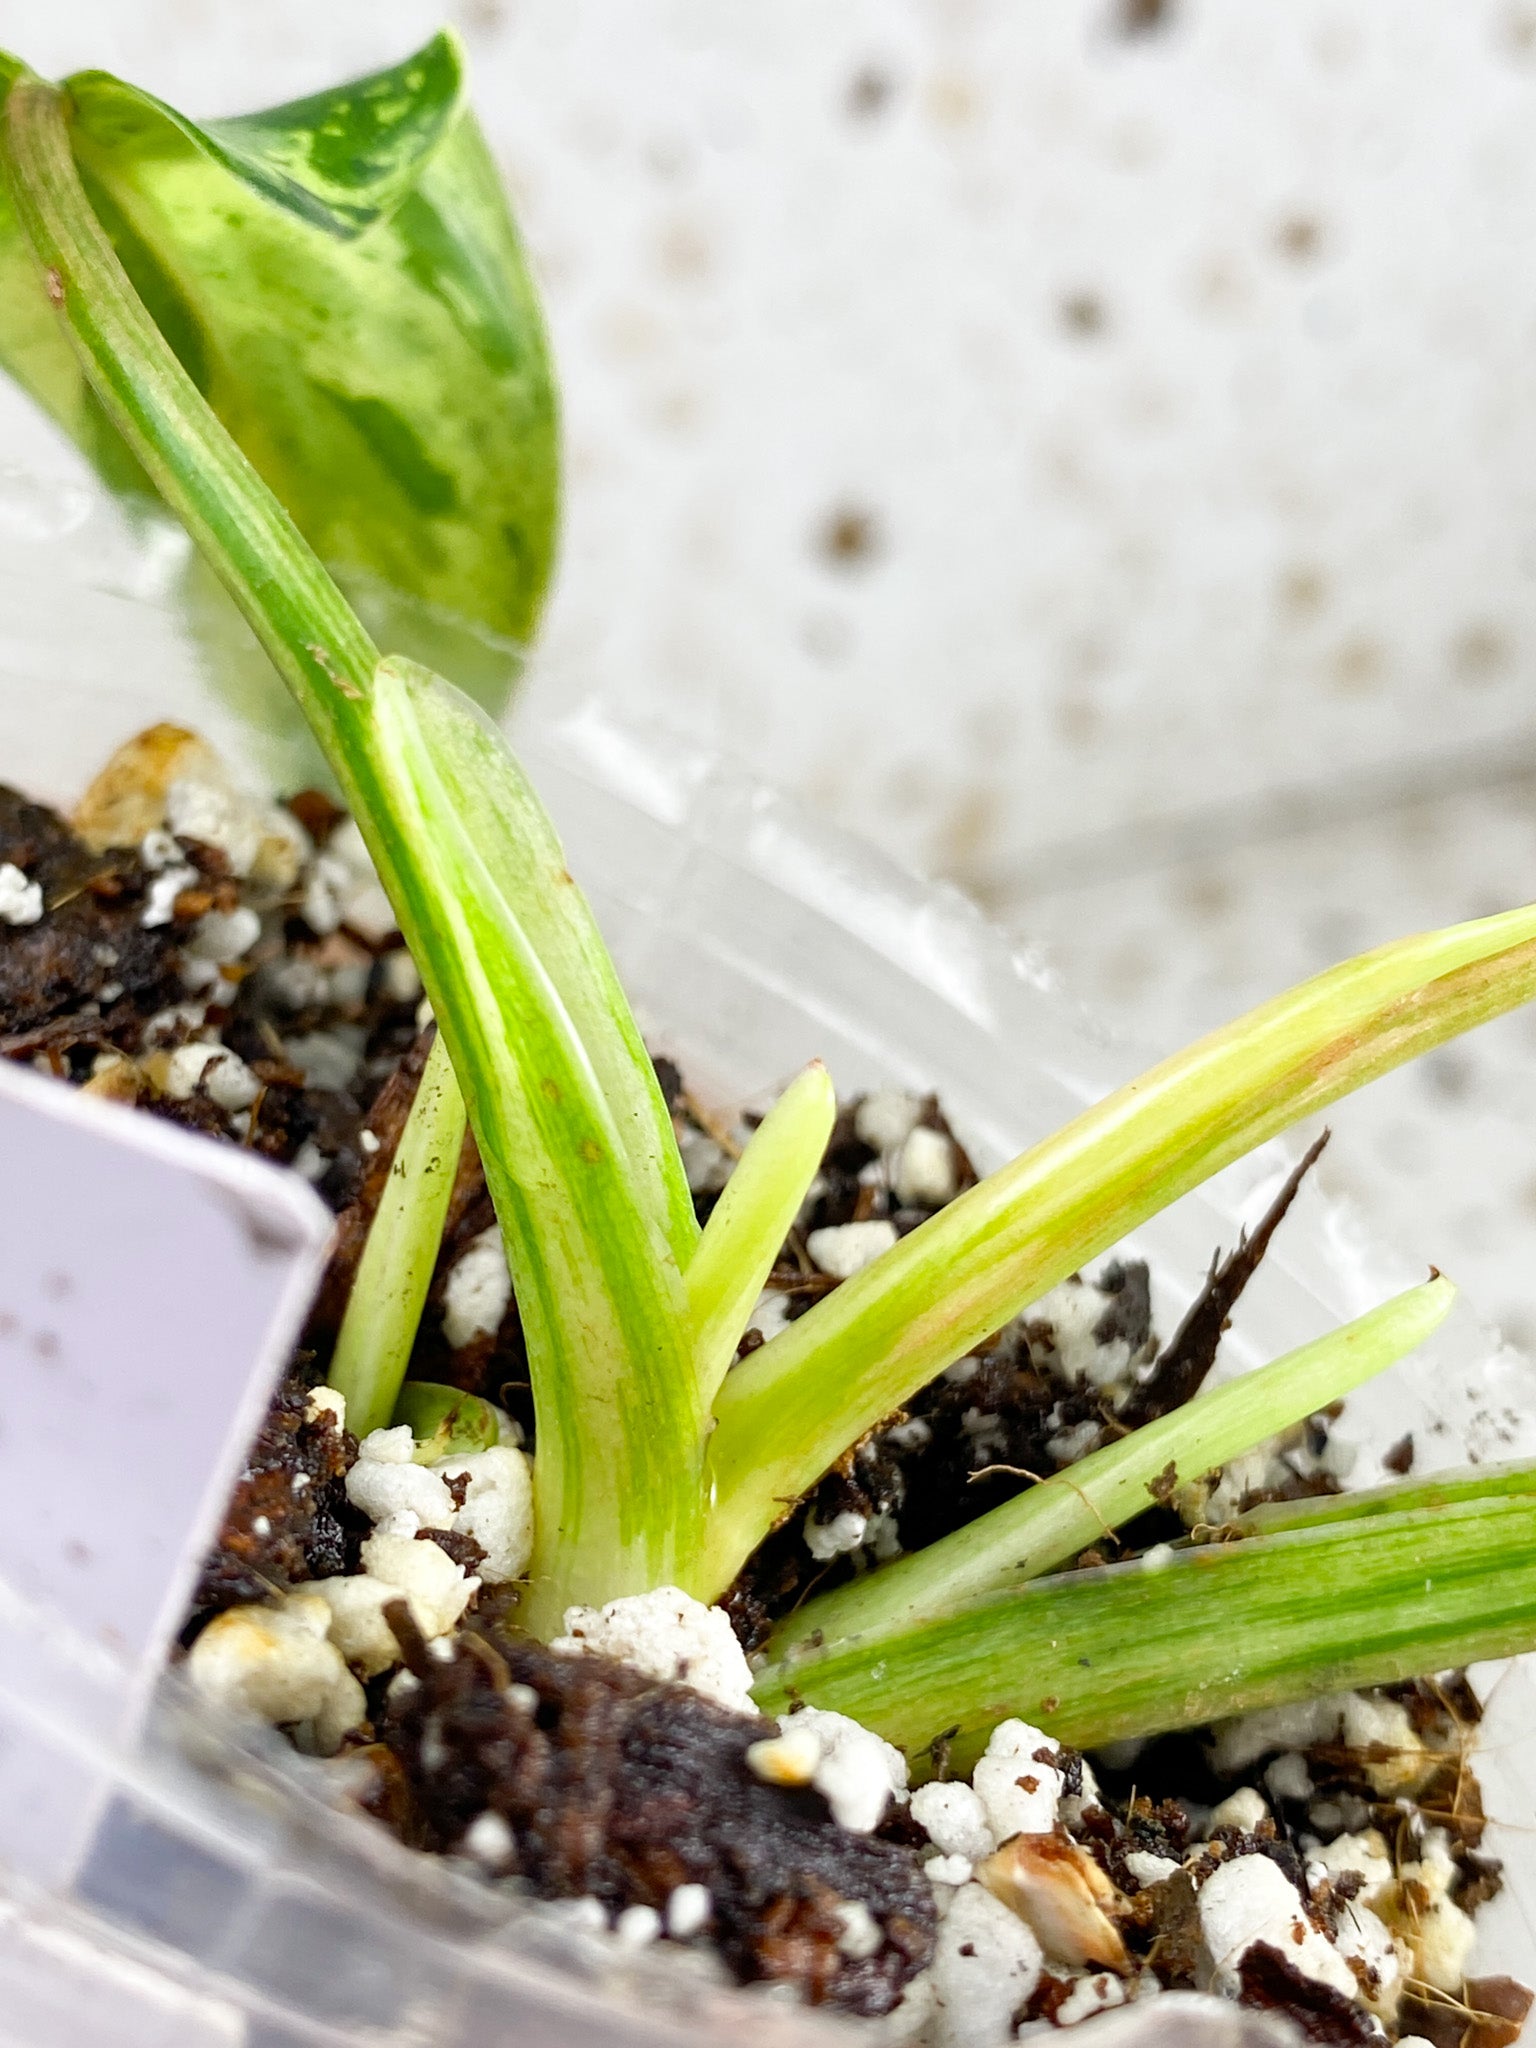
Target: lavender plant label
151 1287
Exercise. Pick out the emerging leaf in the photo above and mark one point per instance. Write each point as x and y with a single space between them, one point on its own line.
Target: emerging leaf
748 1225
445 1422
390 1286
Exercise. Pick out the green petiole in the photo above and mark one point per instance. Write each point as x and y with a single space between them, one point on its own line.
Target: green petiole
789 1410
618 1477
1444 1490
1052 1522
595 1237
395 1271
1195 1635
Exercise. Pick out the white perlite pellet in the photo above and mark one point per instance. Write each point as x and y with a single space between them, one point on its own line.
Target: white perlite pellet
886 1118
986 1963
160 905
843 1249
327 1059
861 1937
857 1773
1300 1725
1244 1809
926 1174
1020 1793
1250 1901
478 1290
224 935
326 1401
386 1482
689 1911
826 1540
21 901
1074 1311
1438 1934
954 1819
1363 1938
222 1075
185 1067
435 1588
489 1840
638 1926
216 814
358 1626
497 1510
230 1083
1365 1854
278 1663
669 1635
1090 1995
1149 1869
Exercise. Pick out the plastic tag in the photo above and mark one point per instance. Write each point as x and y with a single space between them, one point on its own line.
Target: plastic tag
152 1284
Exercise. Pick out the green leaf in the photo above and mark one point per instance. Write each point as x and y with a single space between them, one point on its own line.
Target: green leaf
1052 1522
149 400
344 284
445 1421
342 159
748 1225
1094 1656
1001 1245
390 1286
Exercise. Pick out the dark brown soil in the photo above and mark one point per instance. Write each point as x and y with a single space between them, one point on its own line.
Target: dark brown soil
288 1518
88 973
1318 2012
618 1788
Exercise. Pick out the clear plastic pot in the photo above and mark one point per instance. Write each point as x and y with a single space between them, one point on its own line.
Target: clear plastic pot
224 1900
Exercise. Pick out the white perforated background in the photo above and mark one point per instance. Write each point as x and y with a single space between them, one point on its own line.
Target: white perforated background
1099 464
